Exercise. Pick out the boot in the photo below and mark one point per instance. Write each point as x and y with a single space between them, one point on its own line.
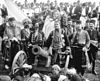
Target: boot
93 69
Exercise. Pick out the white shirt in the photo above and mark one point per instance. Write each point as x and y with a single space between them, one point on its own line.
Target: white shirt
99 9
83 12
73 10
68 9
90 9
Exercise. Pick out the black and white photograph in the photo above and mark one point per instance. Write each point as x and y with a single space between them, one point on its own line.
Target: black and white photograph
49 40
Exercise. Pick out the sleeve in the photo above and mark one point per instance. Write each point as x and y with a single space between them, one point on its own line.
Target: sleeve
5 35
67 43
98 36
19 33
49 40
2 29
87 39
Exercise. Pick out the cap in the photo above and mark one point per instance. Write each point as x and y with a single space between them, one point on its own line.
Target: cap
11 19
26 21
35 75
56 67
92 21
36 25
78 22
87 21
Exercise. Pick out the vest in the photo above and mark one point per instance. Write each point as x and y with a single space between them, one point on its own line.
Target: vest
58 40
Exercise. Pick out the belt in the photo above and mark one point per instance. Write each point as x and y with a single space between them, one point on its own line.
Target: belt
79 45
83 15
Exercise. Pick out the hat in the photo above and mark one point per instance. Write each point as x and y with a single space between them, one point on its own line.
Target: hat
35 75
92 21
56 67
87 21
11 19
26 21
78 22
84 4
36 25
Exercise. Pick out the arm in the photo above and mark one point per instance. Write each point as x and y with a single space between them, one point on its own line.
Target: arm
19 33
49 40
87 40
5 36
67 43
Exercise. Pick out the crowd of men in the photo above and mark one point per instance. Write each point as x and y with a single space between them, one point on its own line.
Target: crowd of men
69 30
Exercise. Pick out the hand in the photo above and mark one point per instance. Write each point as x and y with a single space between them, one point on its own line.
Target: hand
5 38
84 49
68 49
30 45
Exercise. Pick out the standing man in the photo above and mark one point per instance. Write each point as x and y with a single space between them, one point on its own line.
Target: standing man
80 39
76 12
98 11
11 31
58 41
25 35
94 38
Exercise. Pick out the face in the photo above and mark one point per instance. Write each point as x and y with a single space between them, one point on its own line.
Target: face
55 71
12 23
69 23
87 24
78 26
91 25
57 25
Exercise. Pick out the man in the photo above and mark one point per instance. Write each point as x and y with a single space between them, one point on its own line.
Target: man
94 37
76 12
25 34
58 41
67 8
57 74
87 25
98 11
11 32
69 28
83 17
37 36
80 39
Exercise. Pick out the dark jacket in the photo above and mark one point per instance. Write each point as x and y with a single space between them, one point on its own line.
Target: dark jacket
2 29
4 12
94 35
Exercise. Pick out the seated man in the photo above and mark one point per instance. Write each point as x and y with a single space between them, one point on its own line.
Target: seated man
11 31
58 41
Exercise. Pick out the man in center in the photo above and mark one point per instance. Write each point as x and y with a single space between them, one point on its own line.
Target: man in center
58 41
